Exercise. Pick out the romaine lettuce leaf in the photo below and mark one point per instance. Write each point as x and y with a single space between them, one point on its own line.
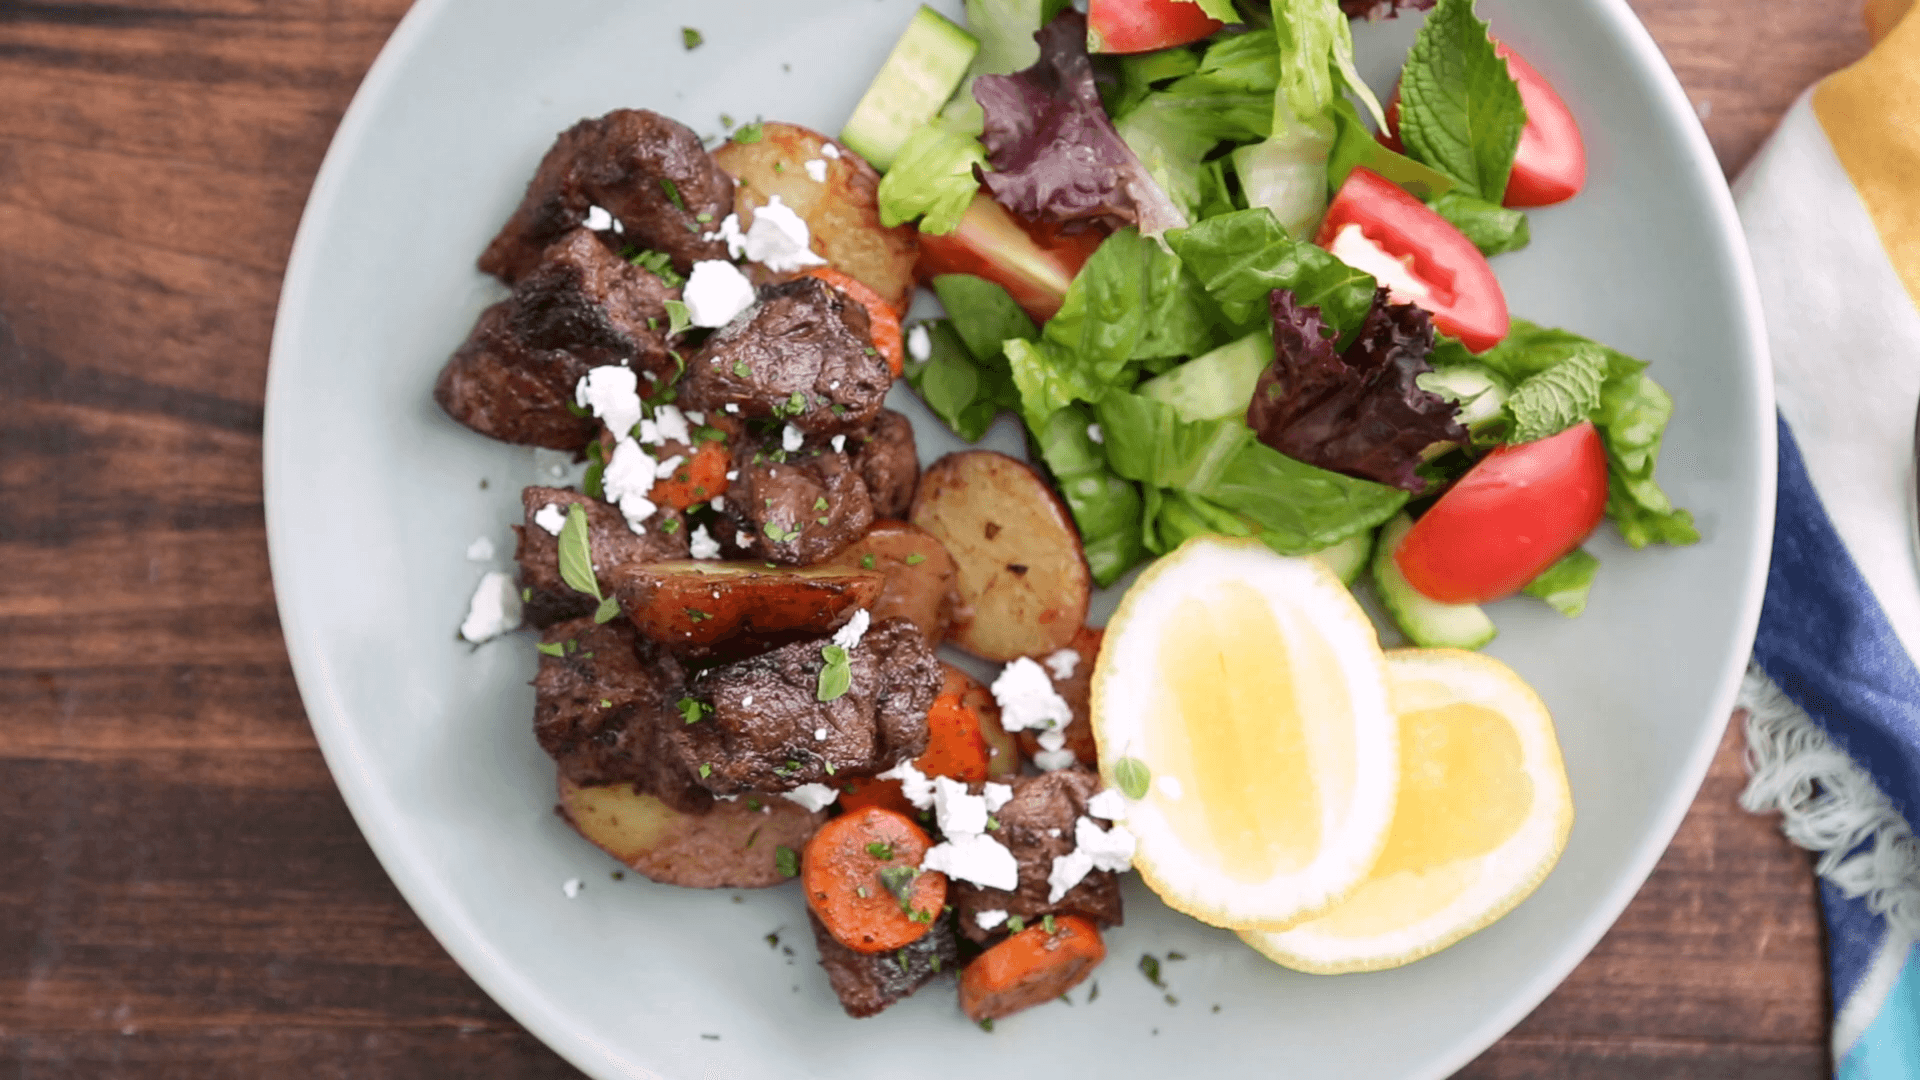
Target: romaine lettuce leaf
1240 258
984 313
1493 229
932 176
964 392
1566 583
1106 509
1460 111
1056 156
1355 147
1361 411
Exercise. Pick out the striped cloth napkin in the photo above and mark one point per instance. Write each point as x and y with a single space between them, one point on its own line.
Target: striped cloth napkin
1831 208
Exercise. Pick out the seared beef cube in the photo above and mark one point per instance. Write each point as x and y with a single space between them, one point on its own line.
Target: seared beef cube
869 982
889 462
603 708
549 598
650 173
1037 826
803 354
764 728
581 307
796 508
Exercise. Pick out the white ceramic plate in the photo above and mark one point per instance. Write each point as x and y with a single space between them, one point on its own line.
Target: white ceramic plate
373 496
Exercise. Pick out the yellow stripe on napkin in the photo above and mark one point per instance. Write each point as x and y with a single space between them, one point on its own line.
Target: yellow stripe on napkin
1871 113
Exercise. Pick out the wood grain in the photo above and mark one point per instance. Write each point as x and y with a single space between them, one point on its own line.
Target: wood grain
182 893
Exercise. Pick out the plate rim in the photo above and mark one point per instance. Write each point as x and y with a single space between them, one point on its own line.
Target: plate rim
533 1009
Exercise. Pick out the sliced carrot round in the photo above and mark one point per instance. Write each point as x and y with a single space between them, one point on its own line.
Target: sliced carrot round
699 478
883 323
863 879
1031 968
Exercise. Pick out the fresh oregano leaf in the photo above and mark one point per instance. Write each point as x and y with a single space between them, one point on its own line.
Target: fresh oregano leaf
576 553
608 610
677 317
1133 776
551 648
836 678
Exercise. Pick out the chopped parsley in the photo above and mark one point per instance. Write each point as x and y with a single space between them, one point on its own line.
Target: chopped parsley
551 648
706 770
916 559
742 369
987 1025
693 709
749 133
659 263
1047 922
880 850
690 38
866 562
787 861
671 525
899 881
673 194
1015 924
820 503
1150 967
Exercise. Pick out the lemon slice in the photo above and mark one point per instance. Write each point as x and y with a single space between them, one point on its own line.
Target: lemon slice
1248 690
1483 815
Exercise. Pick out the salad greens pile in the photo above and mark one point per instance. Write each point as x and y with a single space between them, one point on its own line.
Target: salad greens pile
1213 164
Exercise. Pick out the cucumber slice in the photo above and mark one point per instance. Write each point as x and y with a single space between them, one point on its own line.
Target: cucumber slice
1479 394
1216 385
920 74
1427 623
1348 557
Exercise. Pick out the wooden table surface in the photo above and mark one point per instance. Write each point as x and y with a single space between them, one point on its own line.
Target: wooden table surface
182 892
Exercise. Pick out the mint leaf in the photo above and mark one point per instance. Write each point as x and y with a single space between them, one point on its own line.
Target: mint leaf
1559 397
1493 229
1565 584
1460 111
576 553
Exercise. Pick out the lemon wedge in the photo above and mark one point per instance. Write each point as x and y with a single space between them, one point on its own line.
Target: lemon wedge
1483 815
1241 701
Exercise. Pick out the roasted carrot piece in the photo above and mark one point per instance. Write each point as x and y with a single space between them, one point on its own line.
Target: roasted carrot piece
1003 750
955 746
863 879
884 324
700 477
862 792
1031 968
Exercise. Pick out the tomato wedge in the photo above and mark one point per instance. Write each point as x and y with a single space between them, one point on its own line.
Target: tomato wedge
1034 263
1417 256
1136 26
1515 513
1551 163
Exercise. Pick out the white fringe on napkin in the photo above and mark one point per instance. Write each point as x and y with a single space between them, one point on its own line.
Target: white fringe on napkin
1829 805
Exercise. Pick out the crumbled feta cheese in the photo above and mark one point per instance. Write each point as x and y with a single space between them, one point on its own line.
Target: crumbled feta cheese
1108 804
812 796
665 468
959 812
481 550
732 408
733 474
848 636
1110 849
598 219
572 886
695 416
742 539
1068 870
729 231
819 734
671 424
778 239
613 393
1094 433
987 920
702 545
747 701
1061 664
791 438
718 502
997 795
628 480
816 170
494 609
1027 698
830 150
1170 787
977 858
1055 833
913 784
1053 760
1053 739
715 292
919 342
839 444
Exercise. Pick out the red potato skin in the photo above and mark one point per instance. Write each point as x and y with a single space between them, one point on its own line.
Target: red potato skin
750 604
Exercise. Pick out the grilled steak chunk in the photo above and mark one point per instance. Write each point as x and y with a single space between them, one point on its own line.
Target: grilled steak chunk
802 353
603 707
889 462
795 508
1040 806
549 598
869 982
579 308
767 730
650 173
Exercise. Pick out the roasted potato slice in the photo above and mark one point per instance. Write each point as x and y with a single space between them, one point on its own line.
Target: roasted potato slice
1003 753
1022 576
920 575
701 608
732 846
843 212
1077 689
